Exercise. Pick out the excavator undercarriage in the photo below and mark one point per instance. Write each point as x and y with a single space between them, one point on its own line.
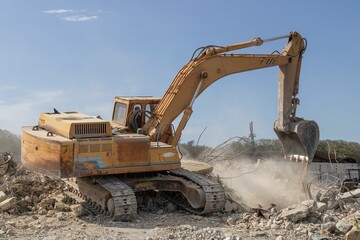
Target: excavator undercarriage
115 194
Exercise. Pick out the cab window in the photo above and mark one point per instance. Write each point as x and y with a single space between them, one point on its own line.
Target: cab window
120 113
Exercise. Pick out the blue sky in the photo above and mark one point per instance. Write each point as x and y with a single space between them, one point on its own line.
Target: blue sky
78 55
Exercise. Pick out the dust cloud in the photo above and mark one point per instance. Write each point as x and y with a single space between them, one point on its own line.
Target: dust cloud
263 182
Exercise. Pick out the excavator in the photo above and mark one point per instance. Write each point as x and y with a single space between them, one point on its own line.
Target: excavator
109 162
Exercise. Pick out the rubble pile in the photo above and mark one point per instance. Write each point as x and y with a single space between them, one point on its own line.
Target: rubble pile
332 215
333 212
307 220
23 191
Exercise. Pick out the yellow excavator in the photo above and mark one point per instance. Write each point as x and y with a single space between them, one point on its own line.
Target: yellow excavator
109 162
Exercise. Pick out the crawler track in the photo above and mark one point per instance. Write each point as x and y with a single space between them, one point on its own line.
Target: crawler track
116 199
122 206
214 192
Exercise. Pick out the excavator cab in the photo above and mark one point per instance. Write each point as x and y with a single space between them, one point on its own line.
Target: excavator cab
133 112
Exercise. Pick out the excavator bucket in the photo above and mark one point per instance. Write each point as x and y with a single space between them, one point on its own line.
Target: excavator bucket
301 142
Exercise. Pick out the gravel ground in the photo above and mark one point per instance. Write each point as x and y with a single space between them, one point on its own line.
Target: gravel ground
35 207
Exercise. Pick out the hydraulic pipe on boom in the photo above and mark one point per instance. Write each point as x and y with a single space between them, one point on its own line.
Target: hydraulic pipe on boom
255 42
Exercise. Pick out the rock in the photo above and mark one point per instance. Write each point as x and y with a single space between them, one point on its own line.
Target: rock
319 237
75 208
63 207
289 226
42 211
50 213
313 218
8 203
79 210
47 203
10 232
27 199
10 223
45 227
343 226
231 221
353 234
258 234
273 210
2 196
274 226
59 197
242 226
228 208
278 221
321 207
235 206
327 218
310 204
246 217
3 187
25 226
279 238
60 216
170 207
295 213
160 212
329 227
357 215
351 194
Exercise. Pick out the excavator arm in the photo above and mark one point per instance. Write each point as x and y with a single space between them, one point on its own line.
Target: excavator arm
299 137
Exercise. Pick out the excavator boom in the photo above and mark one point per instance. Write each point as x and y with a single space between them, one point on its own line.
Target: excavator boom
299 137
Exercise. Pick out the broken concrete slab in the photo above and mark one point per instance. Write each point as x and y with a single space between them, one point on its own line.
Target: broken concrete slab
351 194
321 207
8 204
2 196
311 205
343 226
297 212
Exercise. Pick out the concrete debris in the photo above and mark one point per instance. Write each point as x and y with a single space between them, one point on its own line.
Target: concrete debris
32 203
2 196
321 207
353 234
298 212
231 221
343 226
329 227
350 195
8 204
